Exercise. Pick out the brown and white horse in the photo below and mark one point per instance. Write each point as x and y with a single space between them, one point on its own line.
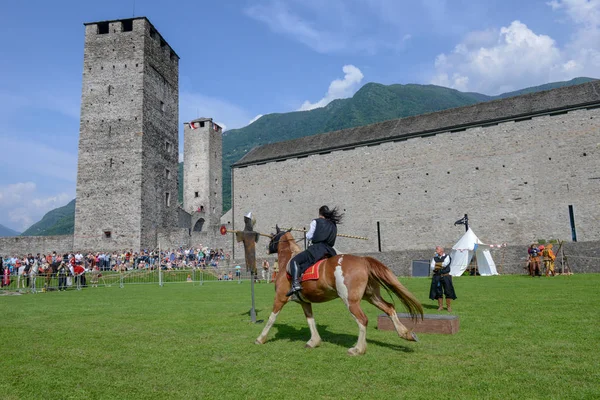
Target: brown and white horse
351 278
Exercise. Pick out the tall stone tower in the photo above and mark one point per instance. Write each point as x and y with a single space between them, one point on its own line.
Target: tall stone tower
128 140
202 173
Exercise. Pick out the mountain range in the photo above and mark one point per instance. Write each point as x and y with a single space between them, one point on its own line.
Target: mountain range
60 221
4 231
372 103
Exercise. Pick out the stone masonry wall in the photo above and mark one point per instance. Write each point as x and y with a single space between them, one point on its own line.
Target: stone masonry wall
515 180
23 245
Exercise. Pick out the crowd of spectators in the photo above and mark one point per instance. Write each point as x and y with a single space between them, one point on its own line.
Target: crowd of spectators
77 264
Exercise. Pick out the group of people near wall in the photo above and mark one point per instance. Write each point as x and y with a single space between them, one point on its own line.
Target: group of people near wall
76 265
26 269
538 257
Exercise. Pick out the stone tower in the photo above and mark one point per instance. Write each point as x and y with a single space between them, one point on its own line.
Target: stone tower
128 140
202 172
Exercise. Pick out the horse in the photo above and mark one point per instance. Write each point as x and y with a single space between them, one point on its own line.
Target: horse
349 277
49 271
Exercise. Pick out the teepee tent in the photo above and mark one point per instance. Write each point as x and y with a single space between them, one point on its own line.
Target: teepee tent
463 251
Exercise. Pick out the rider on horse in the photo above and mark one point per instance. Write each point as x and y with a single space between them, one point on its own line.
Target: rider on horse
322 234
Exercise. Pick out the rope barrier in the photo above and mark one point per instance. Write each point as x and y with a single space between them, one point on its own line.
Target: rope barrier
339 234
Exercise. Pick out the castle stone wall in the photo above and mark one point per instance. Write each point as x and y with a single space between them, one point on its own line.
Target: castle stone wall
23 245
515 180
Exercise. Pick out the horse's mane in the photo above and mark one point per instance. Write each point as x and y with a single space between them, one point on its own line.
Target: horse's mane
294 248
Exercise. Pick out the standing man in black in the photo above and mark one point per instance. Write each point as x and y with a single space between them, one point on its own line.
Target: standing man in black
441 282
63 272
322 234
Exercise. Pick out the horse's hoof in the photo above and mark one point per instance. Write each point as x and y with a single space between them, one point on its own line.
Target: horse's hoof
354 352
414 337
258 342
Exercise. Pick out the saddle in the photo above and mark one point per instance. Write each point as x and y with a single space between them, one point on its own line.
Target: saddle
312 273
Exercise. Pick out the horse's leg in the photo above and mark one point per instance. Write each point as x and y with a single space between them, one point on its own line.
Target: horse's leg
315 339
277 306
389 309
362 321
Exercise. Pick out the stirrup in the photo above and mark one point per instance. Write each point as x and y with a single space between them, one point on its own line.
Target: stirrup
294 289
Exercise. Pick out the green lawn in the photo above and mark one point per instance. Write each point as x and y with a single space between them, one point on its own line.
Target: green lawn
520 338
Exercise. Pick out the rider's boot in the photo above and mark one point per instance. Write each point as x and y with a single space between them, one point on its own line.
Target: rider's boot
295 272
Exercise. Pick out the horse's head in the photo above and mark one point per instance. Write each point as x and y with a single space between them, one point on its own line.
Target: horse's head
276 238
273 247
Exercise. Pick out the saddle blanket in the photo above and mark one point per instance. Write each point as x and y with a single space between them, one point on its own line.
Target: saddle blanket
312 273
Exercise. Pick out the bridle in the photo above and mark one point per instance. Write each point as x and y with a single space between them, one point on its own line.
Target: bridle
274 243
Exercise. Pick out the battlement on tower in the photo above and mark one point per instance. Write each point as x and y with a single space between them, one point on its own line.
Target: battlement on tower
108 30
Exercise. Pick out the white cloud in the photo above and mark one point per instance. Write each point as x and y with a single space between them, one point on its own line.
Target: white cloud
37 158
338 89
335 26
281 19
583 50
22 205
61 103
514 57
194 105
585 12
255 119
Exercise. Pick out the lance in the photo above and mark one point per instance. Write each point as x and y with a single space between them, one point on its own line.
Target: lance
225 231
339 234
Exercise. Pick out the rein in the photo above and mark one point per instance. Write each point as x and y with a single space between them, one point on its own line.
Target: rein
275 244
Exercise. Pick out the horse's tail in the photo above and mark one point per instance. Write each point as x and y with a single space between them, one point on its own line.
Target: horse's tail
390 282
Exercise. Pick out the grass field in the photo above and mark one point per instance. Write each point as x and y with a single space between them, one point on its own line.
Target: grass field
520 338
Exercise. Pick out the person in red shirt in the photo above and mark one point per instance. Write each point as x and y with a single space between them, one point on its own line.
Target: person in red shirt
79 276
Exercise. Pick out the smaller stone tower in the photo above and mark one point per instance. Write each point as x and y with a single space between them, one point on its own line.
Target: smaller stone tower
202 172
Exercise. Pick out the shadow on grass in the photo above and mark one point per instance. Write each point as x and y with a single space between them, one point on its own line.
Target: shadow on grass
288 332
430 306
248 312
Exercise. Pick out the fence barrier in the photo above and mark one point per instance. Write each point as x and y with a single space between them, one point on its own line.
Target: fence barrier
195 276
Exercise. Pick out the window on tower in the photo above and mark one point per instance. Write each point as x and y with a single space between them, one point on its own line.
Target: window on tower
103 28
127 25
168 199
167 174
196 194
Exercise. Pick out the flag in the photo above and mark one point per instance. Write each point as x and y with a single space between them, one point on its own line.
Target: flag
461 221
193 125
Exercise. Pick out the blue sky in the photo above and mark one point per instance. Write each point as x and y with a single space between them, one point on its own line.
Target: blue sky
241 59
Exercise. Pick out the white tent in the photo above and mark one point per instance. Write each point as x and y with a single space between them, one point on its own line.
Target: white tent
463 251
